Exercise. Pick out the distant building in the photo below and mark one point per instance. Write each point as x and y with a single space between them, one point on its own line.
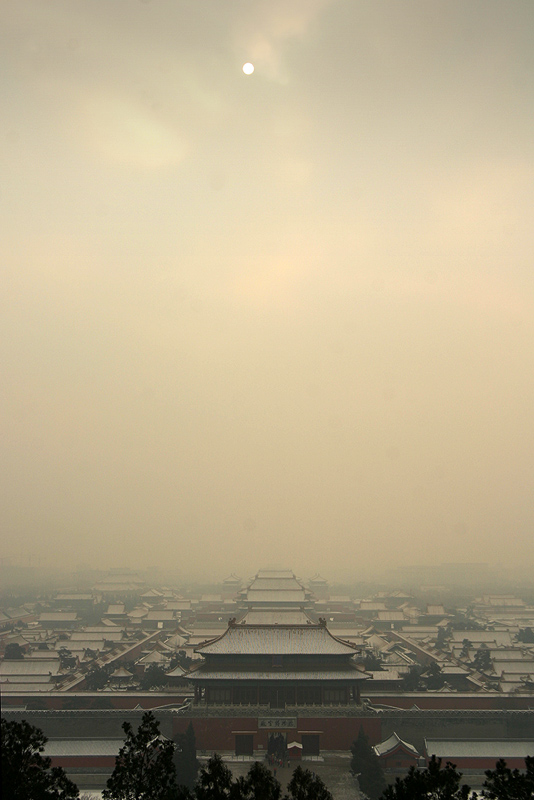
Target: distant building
275 589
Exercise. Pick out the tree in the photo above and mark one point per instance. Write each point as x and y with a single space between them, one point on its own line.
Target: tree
526 635
306 786
181 659
185 758
26 774
153 676
258 784
13 652
433 783
365 766
144 768
503 783
466 647
66 659
434 679
463 622
96 678
441 638
215 780
371 662
482 659
411 681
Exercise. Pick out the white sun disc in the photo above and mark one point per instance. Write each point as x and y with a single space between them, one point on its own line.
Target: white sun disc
248 68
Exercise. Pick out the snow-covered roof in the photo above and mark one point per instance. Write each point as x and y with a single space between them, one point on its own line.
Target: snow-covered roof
480 748
391 744
276 640
277 675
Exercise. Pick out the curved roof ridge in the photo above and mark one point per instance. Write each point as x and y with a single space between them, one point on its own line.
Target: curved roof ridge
276 640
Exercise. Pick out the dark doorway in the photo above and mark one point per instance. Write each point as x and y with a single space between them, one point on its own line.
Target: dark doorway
276 746
244 744
310 744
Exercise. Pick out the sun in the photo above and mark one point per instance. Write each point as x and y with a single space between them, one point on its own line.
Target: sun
248 68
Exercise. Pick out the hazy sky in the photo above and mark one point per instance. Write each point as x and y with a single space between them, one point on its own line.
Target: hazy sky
286 317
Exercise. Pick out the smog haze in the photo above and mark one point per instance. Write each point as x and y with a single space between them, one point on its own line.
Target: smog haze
284 316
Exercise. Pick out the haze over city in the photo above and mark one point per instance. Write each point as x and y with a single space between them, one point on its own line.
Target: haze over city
284 317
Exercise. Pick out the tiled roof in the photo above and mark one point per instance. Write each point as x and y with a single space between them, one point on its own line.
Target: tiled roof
523 667
35 666
86 644
502 638
391 744
113 635
276 640
279 596
74 597
44 655
160 615
25 688
121 672
176 672
277 675
232 579
480 748
16 613
102 586
275 585
154 657
138 612
82 747
384 675
275 573
176 641
287 616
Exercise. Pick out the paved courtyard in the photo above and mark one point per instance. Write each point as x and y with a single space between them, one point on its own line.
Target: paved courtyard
333 770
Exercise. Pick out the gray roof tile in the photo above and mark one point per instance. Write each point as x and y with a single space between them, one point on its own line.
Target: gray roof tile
276 640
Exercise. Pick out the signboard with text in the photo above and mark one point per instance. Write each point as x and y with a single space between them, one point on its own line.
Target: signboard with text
277 722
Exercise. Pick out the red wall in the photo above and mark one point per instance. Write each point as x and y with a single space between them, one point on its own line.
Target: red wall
94 700
398 762
482 764
337 733
450 700
69 762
